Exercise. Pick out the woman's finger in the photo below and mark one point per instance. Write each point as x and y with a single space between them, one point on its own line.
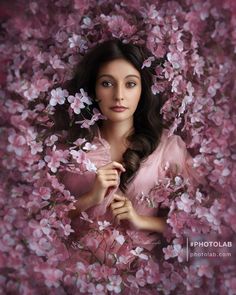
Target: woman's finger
116 165
122 216
110 177
107 172
119 198
118 204
120 210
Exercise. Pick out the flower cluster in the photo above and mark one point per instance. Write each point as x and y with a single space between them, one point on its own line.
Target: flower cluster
41 43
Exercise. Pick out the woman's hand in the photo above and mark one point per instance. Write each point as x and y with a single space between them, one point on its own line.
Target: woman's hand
122 209
107 177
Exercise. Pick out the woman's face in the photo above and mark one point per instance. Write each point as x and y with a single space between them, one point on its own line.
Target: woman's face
118 90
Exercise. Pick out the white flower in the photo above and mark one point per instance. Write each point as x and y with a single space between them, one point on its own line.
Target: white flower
137 252
90 166
103 224
79 141
85 98
85 217
199 196
225 172
178 180
119 238
114 283
89 147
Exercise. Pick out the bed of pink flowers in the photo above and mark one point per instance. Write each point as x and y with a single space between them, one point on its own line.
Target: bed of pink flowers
41 43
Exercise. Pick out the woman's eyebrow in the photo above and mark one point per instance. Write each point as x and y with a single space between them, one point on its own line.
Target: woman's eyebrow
110 76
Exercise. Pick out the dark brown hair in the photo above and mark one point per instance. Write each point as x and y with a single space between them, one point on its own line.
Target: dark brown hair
147 118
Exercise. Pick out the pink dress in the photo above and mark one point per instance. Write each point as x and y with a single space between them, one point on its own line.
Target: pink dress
96 237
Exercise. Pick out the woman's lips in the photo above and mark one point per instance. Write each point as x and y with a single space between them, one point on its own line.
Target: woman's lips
118 109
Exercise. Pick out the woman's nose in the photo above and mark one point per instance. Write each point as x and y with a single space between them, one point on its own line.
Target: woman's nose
119 92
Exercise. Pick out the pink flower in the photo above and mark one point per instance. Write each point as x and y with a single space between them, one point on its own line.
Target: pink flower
55 183
185 203
31 92
56 63
79 141
14 107
119 26
198 64
101 271
79 155
158 87
17 144
77 41
43 192
178 84
58 96
76 103
40 247
231 285
67 229
176 59
81 268
114 283
96 116
35 147
152 272
88 23
39 229
147 62
134 282
81 5
52 276
42 84
140 277
51 140
98 289
86 123
194 79
79 100
172 251
150 12
124 259
204 269
230 217
56 158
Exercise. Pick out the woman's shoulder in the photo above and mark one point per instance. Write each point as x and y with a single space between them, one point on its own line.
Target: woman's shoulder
173 141
171 149
168 140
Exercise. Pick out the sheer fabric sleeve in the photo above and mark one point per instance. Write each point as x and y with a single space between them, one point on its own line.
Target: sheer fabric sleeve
178 160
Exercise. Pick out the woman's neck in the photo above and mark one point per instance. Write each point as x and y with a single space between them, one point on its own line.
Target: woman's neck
116 133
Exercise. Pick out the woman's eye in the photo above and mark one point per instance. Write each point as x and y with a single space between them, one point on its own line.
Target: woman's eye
131 84
106 84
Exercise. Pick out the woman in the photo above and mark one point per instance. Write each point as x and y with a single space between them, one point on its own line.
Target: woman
115 221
